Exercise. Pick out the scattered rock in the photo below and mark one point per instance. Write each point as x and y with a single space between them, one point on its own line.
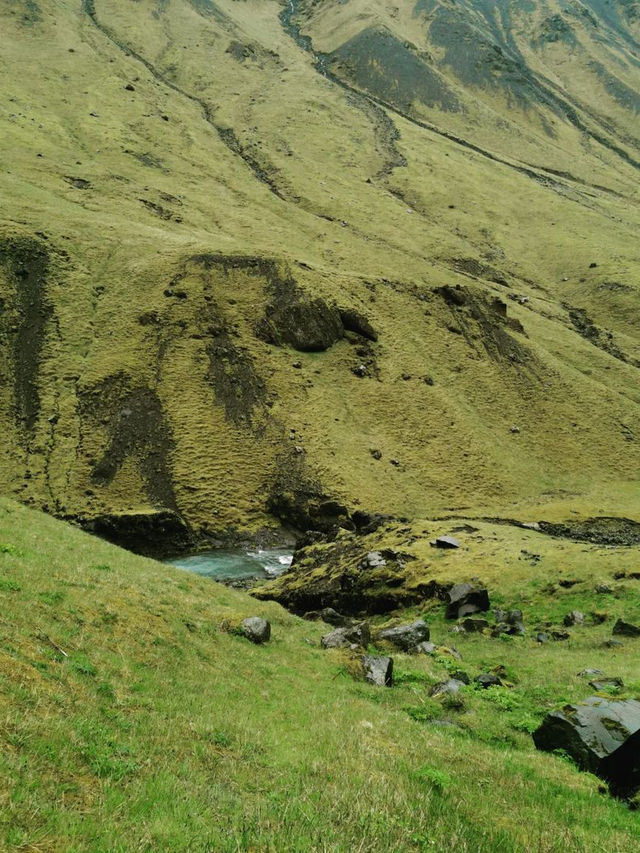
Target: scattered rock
373 560
395 462
130 88
446 688
425 649
256 629
601 735
613 644
567 583
332 617
465 599
351 636
451 651
560 635
541 637
573 618
377 454
530 525
459 675
585 673
508 622
445 542
474 626
606 683
604 589
360 371
406 637
488 679
626 629
378 670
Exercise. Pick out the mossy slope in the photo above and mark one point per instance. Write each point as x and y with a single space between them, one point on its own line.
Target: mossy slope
169 165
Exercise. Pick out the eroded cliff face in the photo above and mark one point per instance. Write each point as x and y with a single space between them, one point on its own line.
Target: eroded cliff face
265 265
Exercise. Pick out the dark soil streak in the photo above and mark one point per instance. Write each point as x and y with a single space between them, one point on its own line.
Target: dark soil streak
26 263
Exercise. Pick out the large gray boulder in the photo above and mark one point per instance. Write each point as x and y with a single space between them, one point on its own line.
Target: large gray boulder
378 670
350 636
256 629
406 637
601 735
465 599
446 688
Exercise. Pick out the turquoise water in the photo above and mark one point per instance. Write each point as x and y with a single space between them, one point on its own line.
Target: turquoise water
237 563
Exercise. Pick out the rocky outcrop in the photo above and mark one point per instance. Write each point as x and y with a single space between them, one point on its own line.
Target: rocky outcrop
601 735
464 599
150 532
307 325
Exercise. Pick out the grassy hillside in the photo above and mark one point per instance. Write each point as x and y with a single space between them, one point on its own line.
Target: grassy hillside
175 171
146 724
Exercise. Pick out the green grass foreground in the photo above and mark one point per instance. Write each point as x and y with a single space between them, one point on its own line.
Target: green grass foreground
133 718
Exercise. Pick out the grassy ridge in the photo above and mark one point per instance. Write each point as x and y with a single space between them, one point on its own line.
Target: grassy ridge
145 724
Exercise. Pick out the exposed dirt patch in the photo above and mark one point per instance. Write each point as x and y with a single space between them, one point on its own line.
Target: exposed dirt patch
600 338
603 530
378 63
25 313
485 322
136 426
299 500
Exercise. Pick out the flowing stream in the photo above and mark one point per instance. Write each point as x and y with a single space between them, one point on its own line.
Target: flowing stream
236 564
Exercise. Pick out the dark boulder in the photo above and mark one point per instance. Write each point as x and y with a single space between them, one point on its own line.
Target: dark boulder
406 637
256 629
488 679
601 735
378 670
354 321
445 542
332 617
474 626
465 599
351 636
573 618
626 629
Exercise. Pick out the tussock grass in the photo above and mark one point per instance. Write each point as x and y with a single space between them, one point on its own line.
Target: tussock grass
131 720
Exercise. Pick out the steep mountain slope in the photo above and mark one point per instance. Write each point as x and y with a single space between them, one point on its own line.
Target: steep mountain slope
244 245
